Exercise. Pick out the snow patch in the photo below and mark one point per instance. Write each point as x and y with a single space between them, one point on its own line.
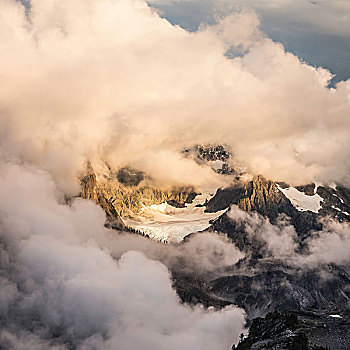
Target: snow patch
335 316
166 223
333 186
338 197
301 201
338 209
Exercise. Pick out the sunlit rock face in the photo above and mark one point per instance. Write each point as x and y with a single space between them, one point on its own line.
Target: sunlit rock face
258 194
91 190
127 196
119 195
128 204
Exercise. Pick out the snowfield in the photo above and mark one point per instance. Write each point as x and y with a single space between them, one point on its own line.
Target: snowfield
301 201
166 223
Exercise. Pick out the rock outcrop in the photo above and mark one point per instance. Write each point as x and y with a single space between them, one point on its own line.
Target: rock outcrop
120 197
217 155
263 285
264 196
259 195
91 190
291 330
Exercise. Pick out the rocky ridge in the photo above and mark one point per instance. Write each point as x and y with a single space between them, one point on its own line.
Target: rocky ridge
120 197
264 197
292 330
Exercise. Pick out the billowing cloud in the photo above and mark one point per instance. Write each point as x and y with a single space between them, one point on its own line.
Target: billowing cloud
331 245
328 17
317 31
67 283
280 241
112 81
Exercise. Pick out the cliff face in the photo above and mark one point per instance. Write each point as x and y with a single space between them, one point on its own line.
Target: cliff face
263 196
259 195
126 200
266 198
91 190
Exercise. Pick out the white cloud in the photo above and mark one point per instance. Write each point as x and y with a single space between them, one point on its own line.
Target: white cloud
66 279
110 80
316 31
331 17
330 245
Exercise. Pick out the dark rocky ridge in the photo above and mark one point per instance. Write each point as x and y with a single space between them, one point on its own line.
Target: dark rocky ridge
193 290
209 153
291 330
261 286
263 196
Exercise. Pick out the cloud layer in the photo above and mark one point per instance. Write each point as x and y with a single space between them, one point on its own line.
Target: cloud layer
68 282
112 81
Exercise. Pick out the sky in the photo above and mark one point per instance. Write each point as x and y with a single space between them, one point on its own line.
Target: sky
316 31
